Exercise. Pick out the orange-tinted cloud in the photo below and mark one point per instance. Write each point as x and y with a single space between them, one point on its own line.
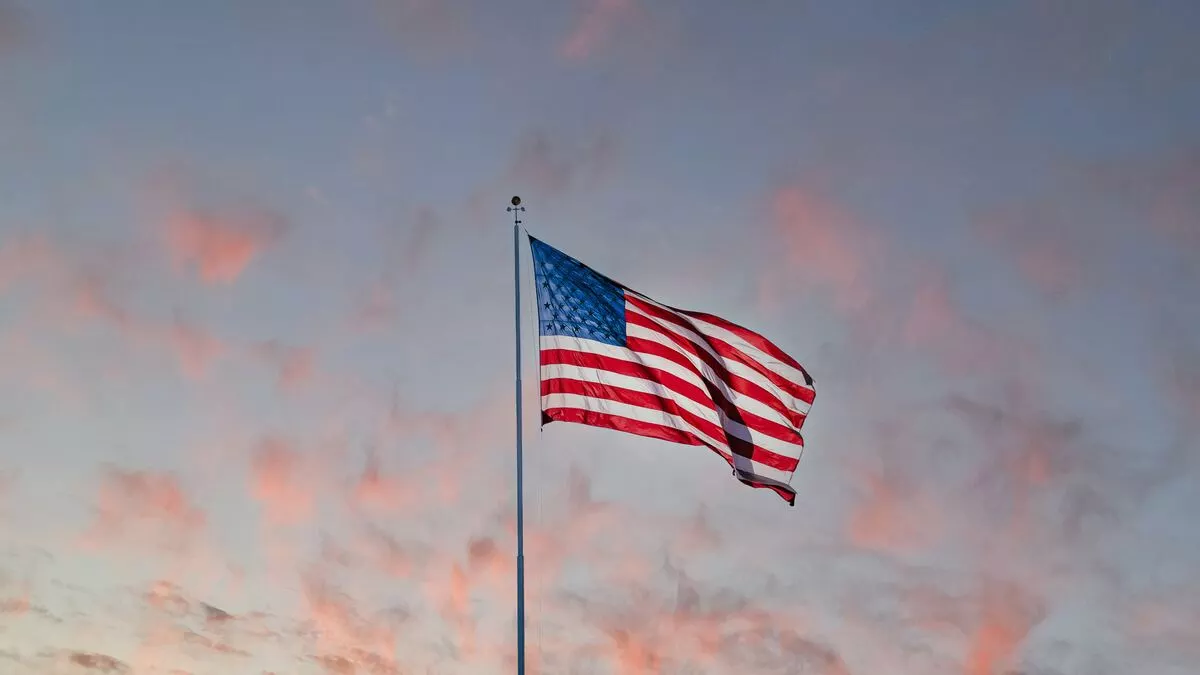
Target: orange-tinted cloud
1006 617
219 247
596 24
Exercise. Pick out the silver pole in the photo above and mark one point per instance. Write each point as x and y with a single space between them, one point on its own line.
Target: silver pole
516 210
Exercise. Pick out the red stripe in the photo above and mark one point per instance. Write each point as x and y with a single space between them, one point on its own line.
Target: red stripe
722 348
761 343
711 397
734 382
661 432
641 399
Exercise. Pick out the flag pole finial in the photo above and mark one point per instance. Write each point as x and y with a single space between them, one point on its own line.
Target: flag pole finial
516 209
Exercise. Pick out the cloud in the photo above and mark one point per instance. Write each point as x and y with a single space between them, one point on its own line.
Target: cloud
194 347
99 662
672 624
937 322
147 508
825 249
1006 618
347 638
167 597
219 246
894 514
215 615
281 480
596 23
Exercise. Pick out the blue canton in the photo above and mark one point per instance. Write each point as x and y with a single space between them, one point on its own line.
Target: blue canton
575 301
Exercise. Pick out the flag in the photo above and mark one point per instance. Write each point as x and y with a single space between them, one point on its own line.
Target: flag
612 357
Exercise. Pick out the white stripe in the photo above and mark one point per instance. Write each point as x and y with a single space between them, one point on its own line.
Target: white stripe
717 418
743 402
655 416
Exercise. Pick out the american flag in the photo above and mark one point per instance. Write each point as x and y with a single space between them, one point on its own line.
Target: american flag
612 357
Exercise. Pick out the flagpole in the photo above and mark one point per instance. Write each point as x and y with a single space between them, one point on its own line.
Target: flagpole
516 210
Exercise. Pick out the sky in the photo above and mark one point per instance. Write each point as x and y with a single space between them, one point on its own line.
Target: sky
256 334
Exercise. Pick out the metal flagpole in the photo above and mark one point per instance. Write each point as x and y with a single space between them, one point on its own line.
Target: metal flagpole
516 210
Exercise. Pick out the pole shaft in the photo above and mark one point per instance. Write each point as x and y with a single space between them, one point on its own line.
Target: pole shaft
520 467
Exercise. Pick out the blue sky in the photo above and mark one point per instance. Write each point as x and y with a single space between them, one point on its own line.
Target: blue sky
255 334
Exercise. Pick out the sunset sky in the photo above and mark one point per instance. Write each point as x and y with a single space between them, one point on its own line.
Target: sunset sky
256 401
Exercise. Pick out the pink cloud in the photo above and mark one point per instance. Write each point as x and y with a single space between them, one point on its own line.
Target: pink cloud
1005 619
377 490
347 637
194 347
893 515
167 597
937 323
825 249
595 25
144 508
281 482
221 246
